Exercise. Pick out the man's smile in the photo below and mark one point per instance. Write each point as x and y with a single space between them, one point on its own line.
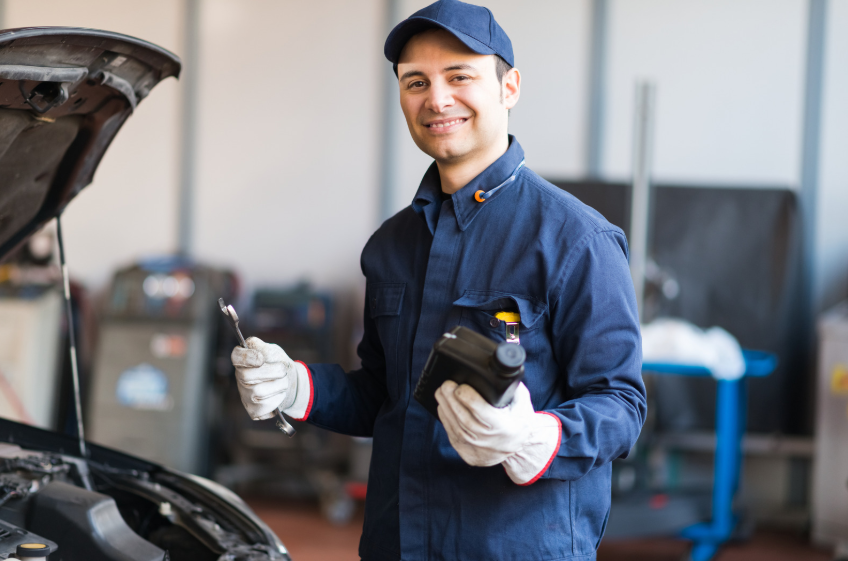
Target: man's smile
443 126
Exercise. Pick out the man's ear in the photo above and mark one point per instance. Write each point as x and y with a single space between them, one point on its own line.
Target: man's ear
511 87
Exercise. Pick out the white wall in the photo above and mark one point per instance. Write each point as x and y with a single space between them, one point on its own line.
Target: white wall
289 125
730 83
130 208
832 211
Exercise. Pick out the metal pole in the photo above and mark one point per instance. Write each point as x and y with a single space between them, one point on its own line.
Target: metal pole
810 274
813 82
69 314
640 206
597 74
188 79
389 153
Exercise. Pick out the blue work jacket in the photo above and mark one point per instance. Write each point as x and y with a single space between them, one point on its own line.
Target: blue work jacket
530 248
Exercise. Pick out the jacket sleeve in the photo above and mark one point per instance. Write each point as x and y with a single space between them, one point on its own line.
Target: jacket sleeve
597 345
348 402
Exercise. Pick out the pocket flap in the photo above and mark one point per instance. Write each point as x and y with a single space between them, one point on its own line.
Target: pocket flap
531 310
386 298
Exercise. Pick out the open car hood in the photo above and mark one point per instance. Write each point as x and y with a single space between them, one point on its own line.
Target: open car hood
64 94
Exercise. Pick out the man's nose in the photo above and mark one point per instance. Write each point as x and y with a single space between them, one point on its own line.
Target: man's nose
439 98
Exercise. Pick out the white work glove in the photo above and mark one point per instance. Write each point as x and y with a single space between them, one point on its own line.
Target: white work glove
524 441
267 378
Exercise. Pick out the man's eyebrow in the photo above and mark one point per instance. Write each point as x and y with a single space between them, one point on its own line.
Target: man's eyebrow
410 74
461 66
458 66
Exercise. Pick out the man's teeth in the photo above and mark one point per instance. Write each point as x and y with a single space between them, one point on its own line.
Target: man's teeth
449 123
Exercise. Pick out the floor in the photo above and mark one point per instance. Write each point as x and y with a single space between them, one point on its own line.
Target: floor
309 537
764 546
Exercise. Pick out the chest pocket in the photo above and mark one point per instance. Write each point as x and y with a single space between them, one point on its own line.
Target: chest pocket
480 308
478 313
385 301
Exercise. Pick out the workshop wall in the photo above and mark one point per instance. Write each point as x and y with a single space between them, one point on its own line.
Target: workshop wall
730 85
289 129
130 208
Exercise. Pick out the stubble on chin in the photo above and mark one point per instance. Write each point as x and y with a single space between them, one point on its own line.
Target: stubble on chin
444 152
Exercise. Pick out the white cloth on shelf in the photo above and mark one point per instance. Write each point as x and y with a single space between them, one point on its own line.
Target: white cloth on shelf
679 342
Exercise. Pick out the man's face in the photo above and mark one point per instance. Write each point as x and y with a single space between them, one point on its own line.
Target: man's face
455 107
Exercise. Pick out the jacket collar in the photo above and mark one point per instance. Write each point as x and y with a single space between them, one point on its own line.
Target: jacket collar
427 201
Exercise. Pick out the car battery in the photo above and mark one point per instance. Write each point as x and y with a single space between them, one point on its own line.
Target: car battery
830 472
152 379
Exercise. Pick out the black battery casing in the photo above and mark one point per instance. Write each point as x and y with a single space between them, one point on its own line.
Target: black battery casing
466 357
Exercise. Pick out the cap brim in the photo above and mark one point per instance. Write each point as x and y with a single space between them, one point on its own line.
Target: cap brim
399 36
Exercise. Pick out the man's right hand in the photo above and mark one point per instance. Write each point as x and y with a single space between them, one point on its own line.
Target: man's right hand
267 378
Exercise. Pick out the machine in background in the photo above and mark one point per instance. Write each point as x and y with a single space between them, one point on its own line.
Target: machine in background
152 390
830 477
31 317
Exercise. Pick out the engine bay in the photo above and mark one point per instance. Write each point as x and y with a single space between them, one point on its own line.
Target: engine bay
87 510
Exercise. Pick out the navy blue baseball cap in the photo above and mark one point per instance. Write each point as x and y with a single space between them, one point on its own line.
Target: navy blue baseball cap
474 25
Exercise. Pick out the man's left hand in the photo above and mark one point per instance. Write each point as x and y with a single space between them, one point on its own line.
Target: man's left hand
516 436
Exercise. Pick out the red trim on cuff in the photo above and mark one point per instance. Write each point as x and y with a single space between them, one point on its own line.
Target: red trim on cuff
311 394
556 449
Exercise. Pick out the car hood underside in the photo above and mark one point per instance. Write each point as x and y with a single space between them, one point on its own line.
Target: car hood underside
64 95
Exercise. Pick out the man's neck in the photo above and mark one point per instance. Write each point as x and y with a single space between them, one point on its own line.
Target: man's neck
456 175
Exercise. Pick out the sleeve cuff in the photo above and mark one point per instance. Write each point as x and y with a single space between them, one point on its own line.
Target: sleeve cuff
527 466
302 406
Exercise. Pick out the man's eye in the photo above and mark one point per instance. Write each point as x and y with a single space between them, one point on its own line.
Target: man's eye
416 84
460 78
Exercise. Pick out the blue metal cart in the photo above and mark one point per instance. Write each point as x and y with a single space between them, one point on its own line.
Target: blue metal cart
708 537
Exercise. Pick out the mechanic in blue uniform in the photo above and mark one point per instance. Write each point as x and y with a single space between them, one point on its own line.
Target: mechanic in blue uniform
483 236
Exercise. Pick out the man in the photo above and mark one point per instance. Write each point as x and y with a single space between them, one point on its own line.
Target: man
483 235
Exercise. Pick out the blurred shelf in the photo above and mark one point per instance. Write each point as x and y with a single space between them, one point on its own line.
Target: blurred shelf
752 444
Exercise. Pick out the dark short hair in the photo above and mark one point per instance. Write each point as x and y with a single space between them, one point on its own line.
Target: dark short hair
501 68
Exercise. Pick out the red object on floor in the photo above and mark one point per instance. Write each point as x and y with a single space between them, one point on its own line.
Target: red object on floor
658 502
356 490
